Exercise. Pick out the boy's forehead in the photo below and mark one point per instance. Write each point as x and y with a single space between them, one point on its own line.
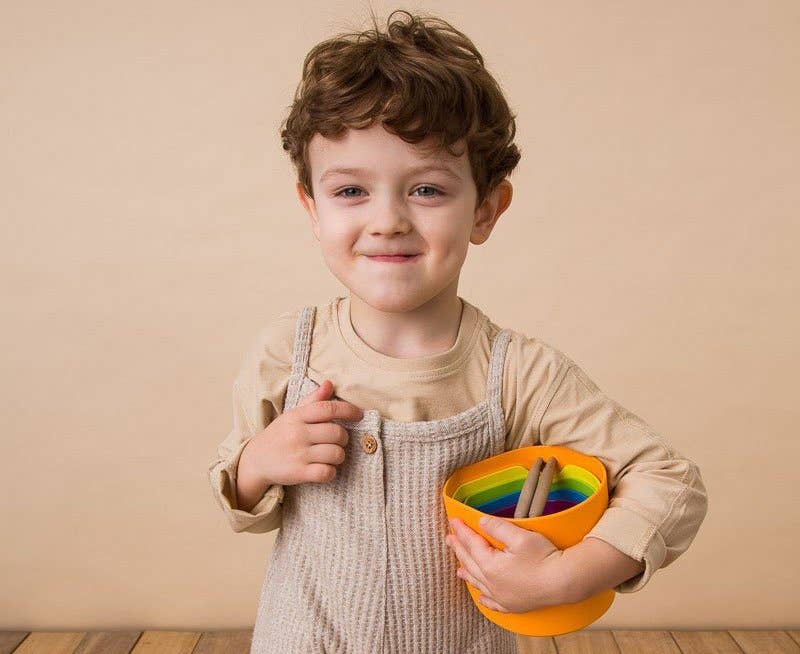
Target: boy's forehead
374 145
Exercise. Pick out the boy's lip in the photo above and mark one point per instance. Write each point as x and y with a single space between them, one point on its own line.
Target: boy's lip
389 254
392 258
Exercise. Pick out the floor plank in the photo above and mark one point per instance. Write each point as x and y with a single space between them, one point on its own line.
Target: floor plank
652 642
50 642
238 642
536 645
755 642
9 640
587 642
108 642
706 642
224 642
166 642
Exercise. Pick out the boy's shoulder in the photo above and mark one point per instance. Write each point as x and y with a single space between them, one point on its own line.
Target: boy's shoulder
270 346
534 368
533 362
275 339
527 353
538 367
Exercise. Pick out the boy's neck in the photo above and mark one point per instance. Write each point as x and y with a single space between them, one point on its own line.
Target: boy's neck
429 329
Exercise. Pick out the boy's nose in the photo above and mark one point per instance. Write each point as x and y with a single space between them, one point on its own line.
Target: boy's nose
389 228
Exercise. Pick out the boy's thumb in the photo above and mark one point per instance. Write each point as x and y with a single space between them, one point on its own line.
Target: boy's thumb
322 392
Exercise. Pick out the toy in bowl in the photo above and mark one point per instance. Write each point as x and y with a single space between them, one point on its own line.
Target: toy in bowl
500 493
576 496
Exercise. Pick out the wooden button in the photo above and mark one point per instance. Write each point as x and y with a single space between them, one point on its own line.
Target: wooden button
369 443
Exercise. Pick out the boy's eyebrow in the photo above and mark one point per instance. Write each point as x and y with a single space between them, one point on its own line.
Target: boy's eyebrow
344 170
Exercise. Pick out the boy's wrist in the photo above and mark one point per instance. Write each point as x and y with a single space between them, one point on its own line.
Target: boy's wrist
250 484
249 471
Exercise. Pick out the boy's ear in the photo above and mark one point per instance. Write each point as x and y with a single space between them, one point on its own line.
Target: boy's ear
310 207
489 212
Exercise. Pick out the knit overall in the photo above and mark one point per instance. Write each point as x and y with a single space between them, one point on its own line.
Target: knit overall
360 564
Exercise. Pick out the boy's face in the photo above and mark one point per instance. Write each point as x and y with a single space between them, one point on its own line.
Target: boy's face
387 207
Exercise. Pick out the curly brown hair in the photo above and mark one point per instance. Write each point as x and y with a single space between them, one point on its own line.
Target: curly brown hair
422 78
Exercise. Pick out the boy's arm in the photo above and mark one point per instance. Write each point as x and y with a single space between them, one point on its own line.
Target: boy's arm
594 566
657 499
259 392
265 514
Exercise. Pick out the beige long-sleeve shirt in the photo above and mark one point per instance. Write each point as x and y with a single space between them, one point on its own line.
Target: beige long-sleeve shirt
657 496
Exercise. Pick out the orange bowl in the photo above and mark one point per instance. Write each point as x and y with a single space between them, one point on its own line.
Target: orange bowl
564 528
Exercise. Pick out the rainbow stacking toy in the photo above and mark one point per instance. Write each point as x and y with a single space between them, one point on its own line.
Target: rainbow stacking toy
578 497
498 493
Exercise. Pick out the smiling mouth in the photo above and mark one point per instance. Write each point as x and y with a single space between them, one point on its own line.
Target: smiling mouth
393 258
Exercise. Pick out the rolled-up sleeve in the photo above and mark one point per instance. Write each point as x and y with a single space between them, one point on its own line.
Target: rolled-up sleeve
266 514
657 499
259 392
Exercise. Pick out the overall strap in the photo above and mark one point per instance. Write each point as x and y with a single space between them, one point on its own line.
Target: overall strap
494 390
494 381
301 351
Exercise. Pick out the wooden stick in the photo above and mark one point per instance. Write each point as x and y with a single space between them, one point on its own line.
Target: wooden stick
525 495
542 488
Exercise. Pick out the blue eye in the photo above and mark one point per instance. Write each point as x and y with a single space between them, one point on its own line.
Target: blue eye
347 189
343 194
433 188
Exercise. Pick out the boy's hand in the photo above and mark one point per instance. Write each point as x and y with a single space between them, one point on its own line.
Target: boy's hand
528 574
301 445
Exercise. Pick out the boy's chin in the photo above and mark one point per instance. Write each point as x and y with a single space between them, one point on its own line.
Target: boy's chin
394 300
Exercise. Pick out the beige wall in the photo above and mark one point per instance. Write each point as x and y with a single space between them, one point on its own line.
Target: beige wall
151 226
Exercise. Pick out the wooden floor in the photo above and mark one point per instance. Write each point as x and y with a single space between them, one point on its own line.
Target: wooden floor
238 642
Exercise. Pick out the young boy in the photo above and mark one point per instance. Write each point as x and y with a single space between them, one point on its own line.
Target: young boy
402 142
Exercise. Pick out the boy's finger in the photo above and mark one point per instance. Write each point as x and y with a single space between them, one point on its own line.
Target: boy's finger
322 392
329 410
466 576
510 535
327 432
478 548
465 559
490 603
